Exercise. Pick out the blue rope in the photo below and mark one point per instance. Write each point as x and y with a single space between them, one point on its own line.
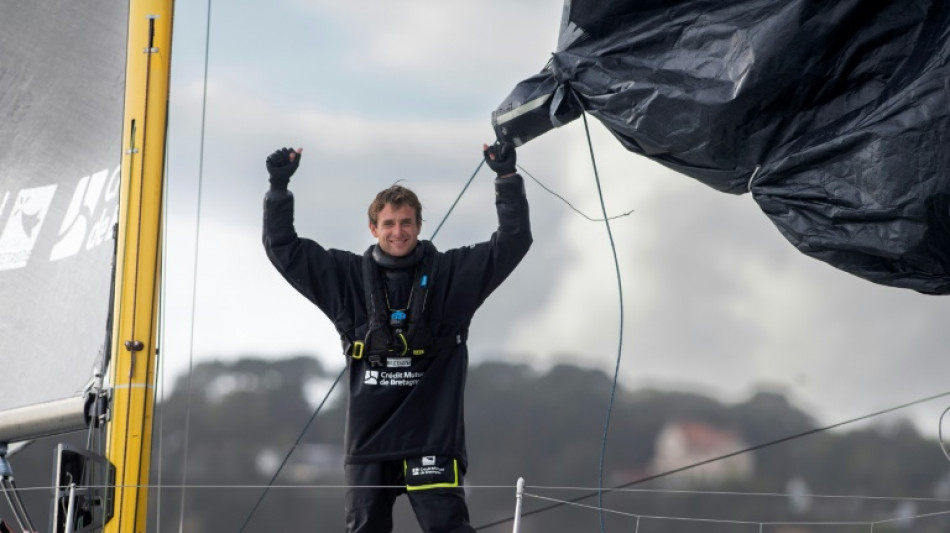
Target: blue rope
613 388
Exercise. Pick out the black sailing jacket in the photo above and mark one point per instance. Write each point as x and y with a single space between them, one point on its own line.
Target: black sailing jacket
401 407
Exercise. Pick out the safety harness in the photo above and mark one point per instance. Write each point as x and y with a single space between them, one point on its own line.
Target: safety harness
402 332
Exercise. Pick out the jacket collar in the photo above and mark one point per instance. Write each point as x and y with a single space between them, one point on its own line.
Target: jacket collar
393 263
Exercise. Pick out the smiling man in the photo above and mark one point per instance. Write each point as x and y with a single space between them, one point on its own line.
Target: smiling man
403 310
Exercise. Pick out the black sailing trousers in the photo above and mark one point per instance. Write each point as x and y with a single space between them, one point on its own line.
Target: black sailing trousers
373 488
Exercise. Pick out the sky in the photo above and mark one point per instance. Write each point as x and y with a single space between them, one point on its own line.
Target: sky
714 299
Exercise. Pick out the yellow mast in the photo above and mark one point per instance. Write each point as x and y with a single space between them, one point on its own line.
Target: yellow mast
134 338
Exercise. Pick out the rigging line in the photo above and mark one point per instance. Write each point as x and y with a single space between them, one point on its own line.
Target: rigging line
584 506
256 486
746 522
160 379
160 366
668 492
675 492
457 198
898 519
639 516
613 387
161 419
943 447
194 272
731 454
291 451
581 213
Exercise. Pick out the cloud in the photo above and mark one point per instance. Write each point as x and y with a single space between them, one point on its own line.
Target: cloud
461 45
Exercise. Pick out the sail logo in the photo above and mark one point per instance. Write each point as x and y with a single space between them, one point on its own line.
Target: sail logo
86 224
27 215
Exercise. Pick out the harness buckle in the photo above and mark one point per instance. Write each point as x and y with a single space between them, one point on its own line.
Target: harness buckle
356 349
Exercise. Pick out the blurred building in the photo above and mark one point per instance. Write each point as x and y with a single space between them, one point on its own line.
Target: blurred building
683 443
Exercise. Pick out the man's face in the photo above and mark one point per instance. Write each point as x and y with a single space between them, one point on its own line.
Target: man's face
396 229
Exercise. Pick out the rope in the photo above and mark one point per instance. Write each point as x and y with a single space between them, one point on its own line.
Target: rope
686 492
457 198
569 204
160 367
668 492
740 522
291 451
194 291
613 387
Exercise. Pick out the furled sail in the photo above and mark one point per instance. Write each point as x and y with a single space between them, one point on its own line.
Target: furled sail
835 115
62 70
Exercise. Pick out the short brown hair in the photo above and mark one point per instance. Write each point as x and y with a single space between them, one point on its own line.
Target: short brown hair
398 196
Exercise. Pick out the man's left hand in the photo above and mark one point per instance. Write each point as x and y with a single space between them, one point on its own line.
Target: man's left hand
501 158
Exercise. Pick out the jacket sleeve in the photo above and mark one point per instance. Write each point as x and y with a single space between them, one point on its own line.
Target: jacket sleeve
512 239
325 277
478 270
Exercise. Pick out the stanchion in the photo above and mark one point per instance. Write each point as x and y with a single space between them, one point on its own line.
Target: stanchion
518 498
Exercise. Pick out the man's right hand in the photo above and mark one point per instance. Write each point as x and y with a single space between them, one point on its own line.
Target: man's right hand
281 165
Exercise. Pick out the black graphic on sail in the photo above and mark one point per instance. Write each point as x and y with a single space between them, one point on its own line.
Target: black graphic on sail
61 99
833 114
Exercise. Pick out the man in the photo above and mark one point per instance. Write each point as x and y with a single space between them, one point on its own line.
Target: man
403 311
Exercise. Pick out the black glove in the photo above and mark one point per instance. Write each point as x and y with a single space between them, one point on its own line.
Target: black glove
281 167
501 158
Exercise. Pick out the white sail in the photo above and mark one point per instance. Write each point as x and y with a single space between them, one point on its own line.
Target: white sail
61 102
